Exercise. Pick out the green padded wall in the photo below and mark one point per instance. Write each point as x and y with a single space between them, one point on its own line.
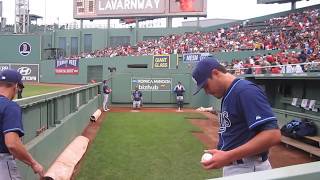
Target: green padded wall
121 78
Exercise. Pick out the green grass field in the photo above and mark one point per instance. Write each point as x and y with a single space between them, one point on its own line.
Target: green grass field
145 146
32 90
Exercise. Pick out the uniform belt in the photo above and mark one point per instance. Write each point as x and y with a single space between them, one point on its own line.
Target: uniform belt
3 155
261 158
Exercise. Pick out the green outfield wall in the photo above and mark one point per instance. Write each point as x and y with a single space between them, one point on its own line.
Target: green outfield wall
127 71
10 52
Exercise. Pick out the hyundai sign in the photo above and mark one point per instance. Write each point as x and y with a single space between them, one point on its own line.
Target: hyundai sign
29 72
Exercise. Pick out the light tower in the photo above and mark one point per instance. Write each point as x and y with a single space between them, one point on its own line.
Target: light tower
22 22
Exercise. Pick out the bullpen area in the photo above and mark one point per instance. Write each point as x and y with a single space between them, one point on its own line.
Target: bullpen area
153 144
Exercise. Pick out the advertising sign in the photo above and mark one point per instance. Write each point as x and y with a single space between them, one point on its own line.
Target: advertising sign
194 57
108 7
4 67
29 72
115 9
161 62
67 66
151 84
24 49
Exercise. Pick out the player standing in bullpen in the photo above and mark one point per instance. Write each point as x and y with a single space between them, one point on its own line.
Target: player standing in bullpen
248 127
136 98
179 90
11 130
106 91
19 92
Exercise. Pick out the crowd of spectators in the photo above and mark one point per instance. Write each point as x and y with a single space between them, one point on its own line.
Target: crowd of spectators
299 30
280 62
294 31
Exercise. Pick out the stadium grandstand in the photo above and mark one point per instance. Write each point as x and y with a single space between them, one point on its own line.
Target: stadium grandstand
279 52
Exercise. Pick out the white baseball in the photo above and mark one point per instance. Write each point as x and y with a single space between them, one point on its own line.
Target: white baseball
206 157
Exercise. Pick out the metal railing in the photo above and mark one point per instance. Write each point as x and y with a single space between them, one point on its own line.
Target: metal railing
255 70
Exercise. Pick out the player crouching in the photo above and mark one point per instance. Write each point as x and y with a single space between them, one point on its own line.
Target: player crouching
136 99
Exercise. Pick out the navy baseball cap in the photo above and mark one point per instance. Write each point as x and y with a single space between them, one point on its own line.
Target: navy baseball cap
11 76
202 72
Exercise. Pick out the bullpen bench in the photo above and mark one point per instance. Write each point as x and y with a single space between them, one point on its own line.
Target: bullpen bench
312 150
315 139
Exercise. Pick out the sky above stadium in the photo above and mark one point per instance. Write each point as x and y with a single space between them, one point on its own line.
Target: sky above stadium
61 11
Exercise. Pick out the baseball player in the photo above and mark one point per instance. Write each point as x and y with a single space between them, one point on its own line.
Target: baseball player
248 127
106 91
136 98
179 90
19 93
11 129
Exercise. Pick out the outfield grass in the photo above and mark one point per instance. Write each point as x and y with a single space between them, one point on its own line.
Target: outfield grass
146 146
32 90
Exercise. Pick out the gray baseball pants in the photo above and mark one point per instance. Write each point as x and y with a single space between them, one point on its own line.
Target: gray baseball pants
8 168
250 164
105 101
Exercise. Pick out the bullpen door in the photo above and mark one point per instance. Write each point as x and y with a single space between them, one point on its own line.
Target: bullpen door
94 73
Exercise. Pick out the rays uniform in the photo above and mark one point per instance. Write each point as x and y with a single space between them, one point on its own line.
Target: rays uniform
245 111
10 121
106 91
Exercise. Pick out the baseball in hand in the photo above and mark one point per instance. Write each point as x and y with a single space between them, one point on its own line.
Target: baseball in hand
206 157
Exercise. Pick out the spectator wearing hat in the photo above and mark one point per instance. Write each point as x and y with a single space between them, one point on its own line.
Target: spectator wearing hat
11 127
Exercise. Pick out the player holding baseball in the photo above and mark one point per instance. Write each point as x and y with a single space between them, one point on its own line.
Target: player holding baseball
11 130
248 127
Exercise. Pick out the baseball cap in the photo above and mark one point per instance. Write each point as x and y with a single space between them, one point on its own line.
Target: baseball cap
11 76
202 72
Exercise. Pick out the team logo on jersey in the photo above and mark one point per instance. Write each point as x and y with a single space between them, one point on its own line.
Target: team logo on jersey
25 49
224 121
258 117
